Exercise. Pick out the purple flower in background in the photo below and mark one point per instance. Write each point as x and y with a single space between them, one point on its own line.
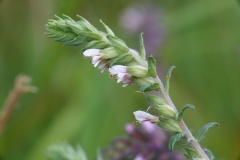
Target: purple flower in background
144 17
147 142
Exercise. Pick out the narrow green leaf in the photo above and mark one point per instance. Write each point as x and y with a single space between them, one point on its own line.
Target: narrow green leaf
55 34
63 26
142 48
95 44
109 31
192 153
209 154
66 37
180 115
76 41
89 35
204 129
118 44
166 83
67 18
150 87
76 28
59 18
174 139
88 25
152 67
121 59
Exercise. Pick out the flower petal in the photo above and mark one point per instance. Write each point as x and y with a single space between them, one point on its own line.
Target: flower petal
96 60
91 52
118 69
142 116
103 66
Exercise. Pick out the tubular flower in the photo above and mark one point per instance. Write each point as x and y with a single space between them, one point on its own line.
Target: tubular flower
95 54
120 72
103 65
142 116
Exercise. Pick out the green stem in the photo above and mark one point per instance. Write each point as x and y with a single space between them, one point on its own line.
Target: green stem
191 139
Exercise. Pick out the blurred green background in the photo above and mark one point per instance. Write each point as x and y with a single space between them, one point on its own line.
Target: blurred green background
78 104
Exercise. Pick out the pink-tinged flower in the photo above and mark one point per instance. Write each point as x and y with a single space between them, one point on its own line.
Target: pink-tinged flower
96 56
126 82
103 65
120 72
91 53
142 116
139 157
114 70
143 142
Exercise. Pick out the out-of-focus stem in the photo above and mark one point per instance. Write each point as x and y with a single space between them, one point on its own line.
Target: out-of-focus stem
22 85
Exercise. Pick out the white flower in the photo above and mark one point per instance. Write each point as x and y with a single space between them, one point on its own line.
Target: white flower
121 73
126 82
114 70
96 56
96 60
103 65
91 52
142 116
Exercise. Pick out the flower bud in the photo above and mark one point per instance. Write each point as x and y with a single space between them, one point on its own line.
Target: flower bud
109 53
142 116
143 81
76 27
118 44
166 110
156 100
121 74
162 106
121 59
137 71
169 125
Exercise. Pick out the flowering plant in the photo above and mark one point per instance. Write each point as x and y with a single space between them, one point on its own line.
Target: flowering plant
145 142
126 65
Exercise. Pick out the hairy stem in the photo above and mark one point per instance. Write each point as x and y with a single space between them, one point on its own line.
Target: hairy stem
182 124
193 141
190 138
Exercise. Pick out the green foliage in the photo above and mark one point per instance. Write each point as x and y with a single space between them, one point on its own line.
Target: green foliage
204 129
118 44
175 139
192 154
152 67
109 31
121 59
180 115
150 87
169 124
142 48
65 152
156 100
209 154
167 81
